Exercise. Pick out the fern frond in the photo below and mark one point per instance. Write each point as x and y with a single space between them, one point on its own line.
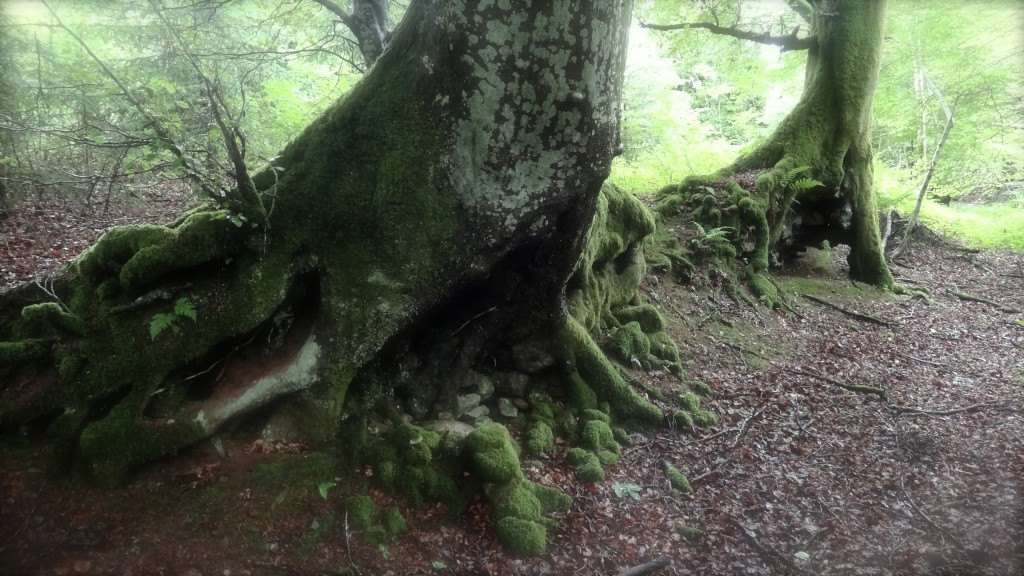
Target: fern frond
787 178
805 184
183 307
159 323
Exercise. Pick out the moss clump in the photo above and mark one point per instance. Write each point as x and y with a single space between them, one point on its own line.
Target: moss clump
551 499
361 511
596 415
516 499
646 315
587 465
705 419
691 533
677 479
683 420
621 436
540 439
631 343
394 522
690 402
523 537
375 536
702 388
607 457
597 435
406 435
493 455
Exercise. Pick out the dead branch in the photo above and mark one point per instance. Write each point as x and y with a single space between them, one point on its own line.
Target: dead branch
765 549
931 166
922 360
1005 404
850 313
992 303
744 428
645 568
858 388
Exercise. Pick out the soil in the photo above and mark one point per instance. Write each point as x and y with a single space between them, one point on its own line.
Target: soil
800 476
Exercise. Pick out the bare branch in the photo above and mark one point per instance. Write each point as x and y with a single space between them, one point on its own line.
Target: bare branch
788 42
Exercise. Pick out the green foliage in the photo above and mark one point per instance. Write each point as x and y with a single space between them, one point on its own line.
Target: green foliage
626 490
183 308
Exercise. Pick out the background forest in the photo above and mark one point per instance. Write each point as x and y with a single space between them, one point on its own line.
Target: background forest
106 100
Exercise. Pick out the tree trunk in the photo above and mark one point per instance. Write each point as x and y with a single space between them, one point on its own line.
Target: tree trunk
814 173
426 224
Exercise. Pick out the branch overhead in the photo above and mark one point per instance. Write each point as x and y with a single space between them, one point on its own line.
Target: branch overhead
788 42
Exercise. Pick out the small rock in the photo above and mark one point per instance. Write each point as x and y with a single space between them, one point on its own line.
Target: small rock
485 387
478 412
467 402
520 403
445 416
450 427
507 408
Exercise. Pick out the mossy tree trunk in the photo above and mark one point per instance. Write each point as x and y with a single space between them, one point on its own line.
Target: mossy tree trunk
429 220
815 170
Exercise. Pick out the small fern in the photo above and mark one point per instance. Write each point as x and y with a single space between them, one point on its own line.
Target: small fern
802 184
183 308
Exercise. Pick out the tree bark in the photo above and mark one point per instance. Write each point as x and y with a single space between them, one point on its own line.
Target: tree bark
437 212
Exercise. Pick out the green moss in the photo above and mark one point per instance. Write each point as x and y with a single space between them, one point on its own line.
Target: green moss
621 436
690 402
520 536
552 500
417 454
702 388
590 470
576 456
631 343
646 315
597 435
15 355
581 352
375 536
677 479
516 499
607 458
406 435
361 511
52 314
594 414
540 439
393 521
683 420
493 455
705 419
690 533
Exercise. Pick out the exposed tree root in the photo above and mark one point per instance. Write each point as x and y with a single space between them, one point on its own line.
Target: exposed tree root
859 389
850 313
992 303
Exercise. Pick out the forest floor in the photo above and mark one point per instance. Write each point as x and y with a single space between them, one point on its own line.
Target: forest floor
800 475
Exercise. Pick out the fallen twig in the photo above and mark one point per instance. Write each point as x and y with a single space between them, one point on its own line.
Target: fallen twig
992 303
911 411
646 567
850 313
916 359
858 388
767 550
744 428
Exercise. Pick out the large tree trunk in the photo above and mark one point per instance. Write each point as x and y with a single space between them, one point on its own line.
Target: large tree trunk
814 173
430 219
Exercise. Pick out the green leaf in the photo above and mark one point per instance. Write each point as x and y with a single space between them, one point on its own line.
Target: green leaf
438 565
325 487
183 307
159 323
624 489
